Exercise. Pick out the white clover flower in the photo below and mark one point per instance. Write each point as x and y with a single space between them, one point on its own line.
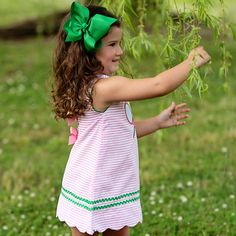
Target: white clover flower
174 214
162 187
232 214
22 216
179 218
203 199
216 209
32 227
36 126
232 196
52 199
49 226
160 215
183 199
11 121
26 191
151 198
49 217
19 204
224 149
13 196
19 197
48 234
10 81
153 193
224 205
55 226
21 88
32 194
152 202
153 212
5 227
147 235
189 183
224 223
161 200
180 185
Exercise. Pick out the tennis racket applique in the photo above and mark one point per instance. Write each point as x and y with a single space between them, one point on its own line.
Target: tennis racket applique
129 116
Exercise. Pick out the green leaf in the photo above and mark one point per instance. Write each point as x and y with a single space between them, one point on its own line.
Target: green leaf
232 26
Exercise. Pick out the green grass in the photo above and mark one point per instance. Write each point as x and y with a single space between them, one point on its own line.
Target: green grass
187 173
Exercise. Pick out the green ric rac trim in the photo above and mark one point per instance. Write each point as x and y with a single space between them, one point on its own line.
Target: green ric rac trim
100 207
100 200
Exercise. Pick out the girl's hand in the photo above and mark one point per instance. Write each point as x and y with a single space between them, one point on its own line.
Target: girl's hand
173 116
198 57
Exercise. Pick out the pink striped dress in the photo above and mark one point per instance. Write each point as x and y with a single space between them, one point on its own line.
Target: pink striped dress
100 187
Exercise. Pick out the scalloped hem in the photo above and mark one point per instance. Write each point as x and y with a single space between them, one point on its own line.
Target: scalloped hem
91 232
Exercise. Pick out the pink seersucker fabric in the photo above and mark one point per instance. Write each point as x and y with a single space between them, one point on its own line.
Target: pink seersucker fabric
100 186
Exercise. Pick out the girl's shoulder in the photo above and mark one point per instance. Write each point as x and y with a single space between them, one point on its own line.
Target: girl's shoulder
98 103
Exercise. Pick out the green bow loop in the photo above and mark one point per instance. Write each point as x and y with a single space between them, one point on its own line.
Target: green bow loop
79 26
99 26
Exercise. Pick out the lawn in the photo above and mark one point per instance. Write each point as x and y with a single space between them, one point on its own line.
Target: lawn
187 173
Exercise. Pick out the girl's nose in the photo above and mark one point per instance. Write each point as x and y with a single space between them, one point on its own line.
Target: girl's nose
119 51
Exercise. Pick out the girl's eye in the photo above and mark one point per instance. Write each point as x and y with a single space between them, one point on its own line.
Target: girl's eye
112 44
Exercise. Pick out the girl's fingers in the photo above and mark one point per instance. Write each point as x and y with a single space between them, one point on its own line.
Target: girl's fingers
182 117
180 105
181 123
180 111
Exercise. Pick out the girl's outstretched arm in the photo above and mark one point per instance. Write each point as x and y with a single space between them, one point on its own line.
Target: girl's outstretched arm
172 116
117 88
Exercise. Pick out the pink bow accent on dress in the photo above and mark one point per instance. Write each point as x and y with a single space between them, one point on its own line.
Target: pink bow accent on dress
73 136
73 132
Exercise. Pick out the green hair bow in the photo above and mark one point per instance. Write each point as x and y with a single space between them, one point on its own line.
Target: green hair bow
79 26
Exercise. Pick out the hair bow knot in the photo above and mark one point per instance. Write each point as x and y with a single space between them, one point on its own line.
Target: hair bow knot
79 26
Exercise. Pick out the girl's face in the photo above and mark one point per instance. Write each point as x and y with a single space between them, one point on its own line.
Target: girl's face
110 53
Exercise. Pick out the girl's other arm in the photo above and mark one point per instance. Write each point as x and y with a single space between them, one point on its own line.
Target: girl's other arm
117 88
172 116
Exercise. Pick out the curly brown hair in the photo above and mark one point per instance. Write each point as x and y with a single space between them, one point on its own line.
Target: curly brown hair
74 72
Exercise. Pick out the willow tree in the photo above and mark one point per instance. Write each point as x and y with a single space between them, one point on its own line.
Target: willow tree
161 27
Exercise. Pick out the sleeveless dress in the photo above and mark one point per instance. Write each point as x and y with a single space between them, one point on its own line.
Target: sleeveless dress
100 186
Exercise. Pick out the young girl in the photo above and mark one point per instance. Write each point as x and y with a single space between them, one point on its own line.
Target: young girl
100 188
